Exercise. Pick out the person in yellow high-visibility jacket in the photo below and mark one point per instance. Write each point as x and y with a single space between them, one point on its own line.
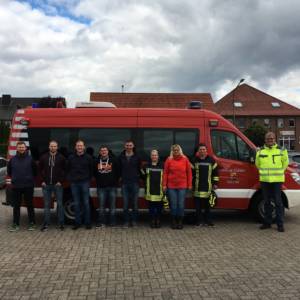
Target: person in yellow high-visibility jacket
271 162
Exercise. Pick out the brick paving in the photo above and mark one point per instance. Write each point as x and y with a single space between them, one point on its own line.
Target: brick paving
232 261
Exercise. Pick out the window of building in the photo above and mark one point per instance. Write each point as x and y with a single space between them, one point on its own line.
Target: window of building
254 121
238 104
275 104
240 122
267 122
287 142
280 123
291 122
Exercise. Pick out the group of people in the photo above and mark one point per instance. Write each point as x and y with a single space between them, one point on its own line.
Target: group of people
165 183
171 179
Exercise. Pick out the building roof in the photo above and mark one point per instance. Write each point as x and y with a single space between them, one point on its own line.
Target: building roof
168 100
250 101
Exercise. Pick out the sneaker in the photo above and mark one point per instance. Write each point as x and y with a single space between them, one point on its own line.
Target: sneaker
280 229
76 226
44 228
265 226
126 225
14 227
31 227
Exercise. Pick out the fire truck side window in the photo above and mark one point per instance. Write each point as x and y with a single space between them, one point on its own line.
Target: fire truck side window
114 138
228 145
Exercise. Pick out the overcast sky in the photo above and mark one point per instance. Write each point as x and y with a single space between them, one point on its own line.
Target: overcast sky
70 47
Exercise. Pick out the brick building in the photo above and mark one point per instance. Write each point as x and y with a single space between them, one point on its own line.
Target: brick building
168 100
247 105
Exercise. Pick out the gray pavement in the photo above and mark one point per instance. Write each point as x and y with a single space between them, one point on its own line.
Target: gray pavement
234 260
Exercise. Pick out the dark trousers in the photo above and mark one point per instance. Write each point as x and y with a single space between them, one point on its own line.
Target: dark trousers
272 191
18 194
202 203
155 208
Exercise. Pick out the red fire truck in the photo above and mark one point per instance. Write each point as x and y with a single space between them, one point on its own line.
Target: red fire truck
150 128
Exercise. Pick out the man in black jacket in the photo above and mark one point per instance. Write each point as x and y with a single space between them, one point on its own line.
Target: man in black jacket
52 167
80 171
107 174
130 174
22 170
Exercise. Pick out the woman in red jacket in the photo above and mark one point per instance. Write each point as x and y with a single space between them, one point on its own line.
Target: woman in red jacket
177 179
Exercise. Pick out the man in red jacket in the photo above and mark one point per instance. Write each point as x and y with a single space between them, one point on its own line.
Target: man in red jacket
177 179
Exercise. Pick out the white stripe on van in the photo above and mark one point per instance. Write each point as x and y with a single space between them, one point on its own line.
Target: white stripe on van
12 152
20 111
19 126
20 134
235 193
14 143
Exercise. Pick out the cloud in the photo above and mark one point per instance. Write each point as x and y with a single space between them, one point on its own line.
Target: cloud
149 46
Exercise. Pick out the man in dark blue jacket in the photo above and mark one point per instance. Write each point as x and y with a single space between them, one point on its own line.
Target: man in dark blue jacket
22 170
80 171
129 164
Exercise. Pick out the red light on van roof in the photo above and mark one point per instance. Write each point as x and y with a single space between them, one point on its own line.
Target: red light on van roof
213 123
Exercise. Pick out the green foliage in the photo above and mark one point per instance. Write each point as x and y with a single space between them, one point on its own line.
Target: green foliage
4 135
256 134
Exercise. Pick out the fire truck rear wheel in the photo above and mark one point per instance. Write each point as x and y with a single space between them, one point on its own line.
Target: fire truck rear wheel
258 208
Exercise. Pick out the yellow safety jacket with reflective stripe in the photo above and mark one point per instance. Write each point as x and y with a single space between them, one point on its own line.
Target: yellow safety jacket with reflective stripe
271 163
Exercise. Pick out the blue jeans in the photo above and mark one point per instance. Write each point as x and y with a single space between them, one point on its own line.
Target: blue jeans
107 194
47 193
81 192
272 191
177 200
130 193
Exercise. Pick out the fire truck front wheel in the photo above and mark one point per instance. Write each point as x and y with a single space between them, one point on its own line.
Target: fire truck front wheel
258 208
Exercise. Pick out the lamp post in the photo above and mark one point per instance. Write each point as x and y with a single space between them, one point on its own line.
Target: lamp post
233 107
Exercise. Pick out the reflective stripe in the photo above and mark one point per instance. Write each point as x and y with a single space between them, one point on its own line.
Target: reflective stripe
202 194
265 169
19 134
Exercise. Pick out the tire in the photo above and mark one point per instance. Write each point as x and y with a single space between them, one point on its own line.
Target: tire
69 210
258 208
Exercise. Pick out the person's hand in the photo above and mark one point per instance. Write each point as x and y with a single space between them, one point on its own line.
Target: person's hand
215 187
43 184
58 184
164 189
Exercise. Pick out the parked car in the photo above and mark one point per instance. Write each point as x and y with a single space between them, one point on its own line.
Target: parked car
294 160
3 163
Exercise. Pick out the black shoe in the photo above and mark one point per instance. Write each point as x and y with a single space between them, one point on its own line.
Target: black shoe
89 226
157 223
265 226
61 227
152 223
280 229
76 226
180 225
210 224
174 223
44 228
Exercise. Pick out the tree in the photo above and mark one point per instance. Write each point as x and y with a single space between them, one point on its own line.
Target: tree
4 135
256 134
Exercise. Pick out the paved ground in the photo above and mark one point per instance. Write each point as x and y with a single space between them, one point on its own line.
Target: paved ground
232 261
